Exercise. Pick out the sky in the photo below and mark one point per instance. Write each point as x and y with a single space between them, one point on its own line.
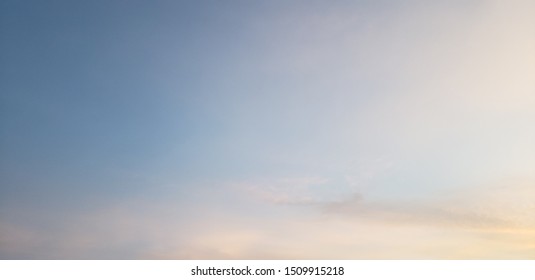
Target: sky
267 129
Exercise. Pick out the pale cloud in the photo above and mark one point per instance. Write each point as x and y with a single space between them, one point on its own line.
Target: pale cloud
355 176
499 207
353 96
486 222
361 173
298 190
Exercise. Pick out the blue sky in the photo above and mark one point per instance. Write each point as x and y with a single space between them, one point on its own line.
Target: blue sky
267 129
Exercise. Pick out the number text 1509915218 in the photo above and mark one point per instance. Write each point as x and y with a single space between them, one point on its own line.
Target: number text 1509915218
314 270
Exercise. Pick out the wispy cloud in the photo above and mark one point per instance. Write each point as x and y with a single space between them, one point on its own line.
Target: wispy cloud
300 190
347 130
486 222
505 206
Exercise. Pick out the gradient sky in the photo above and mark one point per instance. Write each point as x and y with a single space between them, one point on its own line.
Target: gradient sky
267 129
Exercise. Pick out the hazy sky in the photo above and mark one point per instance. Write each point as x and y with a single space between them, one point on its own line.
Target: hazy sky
267 129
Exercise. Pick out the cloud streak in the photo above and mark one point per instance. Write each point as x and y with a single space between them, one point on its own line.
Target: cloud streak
490 222
282 129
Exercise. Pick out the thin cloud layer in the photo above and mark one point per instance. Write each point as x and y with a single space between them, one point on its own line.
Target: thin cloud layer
495 222
277 129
